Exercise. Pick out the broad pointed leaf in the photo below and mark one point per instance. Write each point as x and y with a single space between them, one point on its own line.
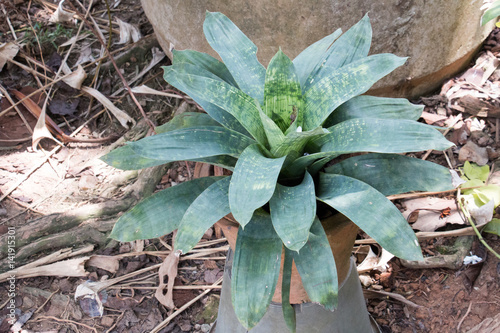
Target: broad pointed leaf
339 85
296 141
372 212
192 143
205 90
316 266
394 174
293 210
311 57
256 268
204 61
253 183
172 75
208 208
186 120
492 13
125 158
375 107
282 93
274 134
286 276
381 136
161 213
237 52
351 46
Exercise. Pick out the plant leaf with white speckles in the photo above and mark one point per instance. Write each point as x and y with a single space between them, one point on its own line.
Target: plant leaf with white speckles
282 93
256 268
161 213
308 59
238 53
252 183
316 266
372 212
186 120
375 107
327 93
208 208
394 174
293 210
192 143
381 136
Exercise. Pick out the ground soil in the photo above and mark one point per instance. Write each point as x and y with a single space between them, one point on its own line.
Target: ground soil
72 178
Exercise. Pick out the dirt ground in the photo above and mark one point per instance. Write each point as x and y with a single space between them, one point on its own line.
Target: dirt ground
60 202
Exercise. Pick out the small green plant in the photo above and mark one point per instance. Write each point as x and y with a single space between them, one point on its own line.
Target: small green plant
276 129
46 34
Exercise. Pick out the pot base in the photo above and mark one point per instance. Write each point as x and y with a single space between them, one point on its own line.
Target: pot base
350 316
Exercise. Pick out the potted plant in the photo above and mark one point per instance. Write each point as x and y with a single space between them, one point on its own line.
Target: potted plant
284 132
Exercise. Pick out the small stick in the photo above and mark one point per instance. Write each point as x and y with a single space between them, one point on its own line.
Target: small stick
463 318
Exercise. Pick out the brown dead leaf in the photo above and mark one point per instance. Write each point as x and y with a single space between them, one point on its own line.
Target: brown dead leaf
432 118
429 217
168 272
473 153
108 263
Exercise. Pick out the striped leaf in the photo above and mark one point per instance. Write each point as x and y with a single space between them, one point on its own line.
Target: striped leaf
172 75
295 141
191 143
351 46
204 61
187 120
221 94
394 174
256 268
293 210
238 53
372 212
252 183
161 213
312 56
316 266
282 93
125 158
375 107
381 136
327 93
209 207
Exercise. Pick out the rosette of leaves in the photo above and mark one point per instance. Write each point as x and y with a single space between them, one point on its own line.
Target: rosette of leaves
276 129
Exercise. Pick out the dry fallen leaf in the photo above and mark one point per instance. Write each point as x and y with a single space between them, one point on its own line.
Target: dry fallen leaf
60 15
128 32
430 211
108 263
122 117
169 270
7 52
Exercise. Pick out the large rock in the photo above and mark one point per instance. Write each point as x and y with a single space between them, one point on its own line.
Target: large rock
440 37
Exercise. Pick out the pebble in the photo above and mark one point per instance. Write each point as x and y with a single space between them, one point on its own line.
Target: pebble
205 328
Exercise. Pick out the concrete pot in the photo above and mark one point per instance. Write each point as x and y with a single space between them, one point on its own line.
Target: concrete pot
440 37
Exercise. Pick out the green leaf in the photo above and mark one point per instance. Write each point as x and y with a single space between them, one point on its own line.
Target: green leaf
125 158
339 85
474 171
394 174
288 310
161 213
209 207
173 75
206 90
295 141
381 136
282 93
493 227
192 143
372 212
375 107
238 53
308 59
492 13
274 134
293 210
487 193
316 266
186 120
253 183
256 268
204 61
351 46
471 183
